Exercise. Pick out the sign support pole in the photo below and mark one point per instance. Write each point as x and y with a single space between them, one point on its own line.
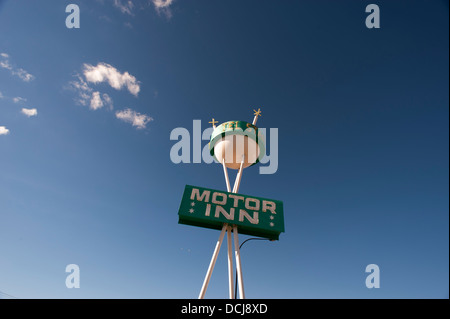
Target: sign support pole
238 263
226 228
225 172
229 244
230 264
213 262
237 253
217 249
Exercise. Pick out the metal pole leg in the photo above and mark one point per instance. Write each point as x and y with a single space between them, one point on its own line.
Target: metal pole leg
229 243
213 262
227 181
237 182
238 263
230 264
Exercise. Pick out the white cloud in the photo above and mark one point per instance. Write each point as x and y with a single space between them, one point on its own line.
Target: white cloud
100 73
136 119
24 75
4 130
124 7
86 96
96 101
5 65
21 73
104 72
127 6
163 6
83 90
1 95
107 101
19 99
162 3
29 112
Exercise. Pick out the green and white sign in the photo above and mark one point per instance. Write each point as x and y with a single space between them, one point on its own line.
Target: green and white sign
211 208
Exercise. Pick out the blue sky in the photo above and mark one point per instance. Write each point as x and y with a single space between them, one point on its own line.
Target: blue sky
86 115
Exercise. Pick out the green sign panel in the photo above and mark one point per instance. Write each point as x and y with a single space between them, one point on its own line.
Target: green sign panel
211 208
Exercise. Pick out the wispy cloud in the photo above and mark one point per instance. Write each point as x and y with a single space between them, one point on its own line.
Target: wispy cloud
83 90
104 72
4 61
124 6
163 6
4 130
160 4
19 99
24 75
19 72
5 65
29 112
96 101
16 100
134 118
107 101
129 6
88 97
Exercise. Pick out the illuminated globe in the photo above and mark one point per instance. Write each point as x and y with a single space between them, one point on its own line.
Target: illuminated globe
230 141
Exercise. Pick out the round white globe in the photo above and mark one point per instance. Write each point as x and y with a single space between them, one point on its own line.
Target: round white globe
233 147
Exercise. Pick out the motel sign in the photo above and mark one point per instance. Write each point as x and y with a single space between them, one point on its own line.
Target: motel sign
211 208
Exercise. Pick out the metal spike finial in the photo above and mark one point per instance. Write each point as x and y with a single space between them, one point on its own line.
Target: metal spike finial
213 122
257 113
